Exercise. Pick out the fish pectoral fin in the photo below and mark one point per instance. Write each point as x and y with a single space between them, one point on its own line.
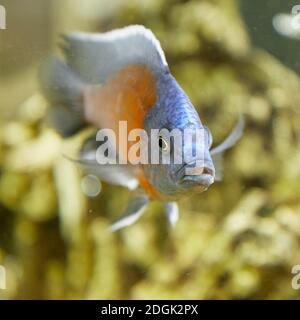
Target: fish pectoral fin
132 213
230 141
172 213
115 174
82 150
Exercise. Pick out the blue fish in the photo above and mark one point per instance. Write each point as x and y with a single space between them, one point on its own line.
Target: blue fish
123 76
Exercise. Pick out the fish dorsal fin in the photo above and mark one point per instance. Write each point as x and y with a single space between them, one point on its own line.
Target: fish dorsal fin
96 56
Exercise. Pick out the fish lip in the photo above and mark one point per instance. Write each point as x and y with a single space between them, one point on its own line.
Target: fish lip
206 179
181 175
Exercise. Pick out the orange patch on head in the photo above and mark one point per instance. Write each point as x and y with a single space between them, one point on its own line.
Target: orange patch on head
126 96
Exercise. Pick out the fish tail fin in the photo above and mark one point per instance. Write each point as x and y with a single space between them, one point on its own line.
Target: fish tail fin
63 90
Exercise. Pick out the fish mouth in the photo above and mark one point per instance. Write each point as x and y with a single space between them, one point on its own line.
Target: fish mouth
203 181
191 176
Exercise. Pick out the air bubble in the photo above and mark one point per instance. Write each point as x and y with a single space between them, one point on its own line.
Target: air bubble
90 185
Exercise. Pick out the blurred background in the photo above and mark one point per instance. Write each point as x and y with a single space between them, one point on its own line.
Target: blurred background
239 240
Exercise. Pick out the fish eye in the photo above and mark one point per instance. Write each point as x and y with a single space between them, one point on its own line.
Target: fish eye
163 144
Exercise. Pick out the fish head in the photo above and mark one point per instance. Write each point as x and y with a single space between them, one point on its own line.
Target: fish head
185 165
197 171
